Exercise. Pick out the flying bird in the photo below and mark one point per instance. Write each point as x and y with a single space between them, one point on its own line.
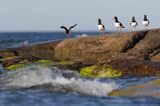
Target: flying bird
145 21
118 24
133 23
68 30
101 27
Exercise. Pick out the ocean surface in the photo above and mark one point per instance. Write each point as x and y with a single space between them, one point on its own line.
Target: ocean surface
49 86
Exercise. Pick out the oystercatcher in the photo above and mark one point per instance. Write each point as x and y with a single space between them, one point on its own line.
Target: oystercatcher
68 30
101 27
118 24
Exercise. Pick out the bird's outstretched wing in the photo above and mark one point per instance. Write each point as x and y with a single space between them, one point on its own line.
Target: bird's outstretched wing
63 27
72 26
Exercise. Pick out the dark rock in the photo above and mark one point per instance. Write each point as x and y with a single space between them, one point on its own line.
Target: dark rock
75 66
6 53
136 67
35 51
31 58
10 62
15 53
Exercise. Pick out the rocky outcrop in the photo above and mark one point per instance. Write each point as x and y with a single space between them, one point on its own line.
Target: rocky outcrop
127 51
135 67
32 52
135 45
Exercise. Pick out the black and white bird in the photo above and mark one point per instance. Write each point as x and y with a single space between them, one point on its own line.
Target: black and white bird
118 24
101 27
133 23
68 30
145 22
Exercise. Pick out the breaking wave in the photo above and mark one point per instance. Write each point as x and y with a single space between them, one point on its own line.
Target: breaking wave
54 78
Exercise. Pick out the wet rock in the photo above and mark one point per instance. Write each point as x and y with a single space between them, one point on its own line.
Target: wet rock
36 51
6 53
31 58
126 67
7 63
135 67
75 66
149 89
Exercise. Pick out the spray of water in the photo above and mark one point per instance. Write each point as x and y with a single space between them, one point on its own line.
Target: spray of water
56 78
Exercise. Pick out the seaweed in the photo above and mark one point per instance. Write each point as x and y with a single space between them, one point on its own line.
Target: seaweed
100 71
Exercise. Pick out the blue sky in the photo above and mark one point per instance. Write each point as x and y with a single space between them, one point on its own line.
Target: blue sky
49 15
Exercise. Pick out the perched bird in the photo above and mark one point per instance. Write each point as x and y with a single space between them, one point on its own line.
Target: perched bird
133 23
145 22
118 24
68 30
101 27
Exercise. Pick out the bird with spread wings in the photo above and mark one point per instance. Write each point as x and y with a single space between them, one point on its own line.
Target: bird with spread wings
68 30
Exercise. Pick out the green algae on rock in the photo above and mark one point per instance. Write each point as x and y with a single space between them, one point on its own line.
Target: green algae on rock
97 71
44 63
18 65
63 62
8 58
26 63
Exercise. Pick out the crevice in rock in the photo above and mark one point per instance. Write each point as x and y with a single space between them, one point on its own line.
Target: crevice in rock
132 42
15 53
154 52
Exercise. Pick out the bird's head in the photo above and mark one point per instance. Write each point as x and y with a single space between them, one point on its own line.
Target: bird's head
145 16
115 18
133 18
99 20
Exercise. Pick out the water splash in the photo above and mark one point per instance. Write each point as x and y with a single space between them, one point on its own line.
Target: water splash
56 78
82 35
90 87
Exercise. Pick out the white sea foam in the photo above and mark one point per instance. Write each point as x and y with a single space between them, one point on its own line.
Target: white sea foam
83 35
86 86
36 75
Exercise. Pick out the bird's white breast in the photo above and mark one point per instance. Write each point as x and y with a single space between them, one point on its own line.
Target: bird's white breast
117 25
134 24
145 23
100 27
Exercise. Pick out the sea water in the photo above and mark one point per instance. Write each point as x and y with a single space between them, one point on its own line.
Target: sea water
49 86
